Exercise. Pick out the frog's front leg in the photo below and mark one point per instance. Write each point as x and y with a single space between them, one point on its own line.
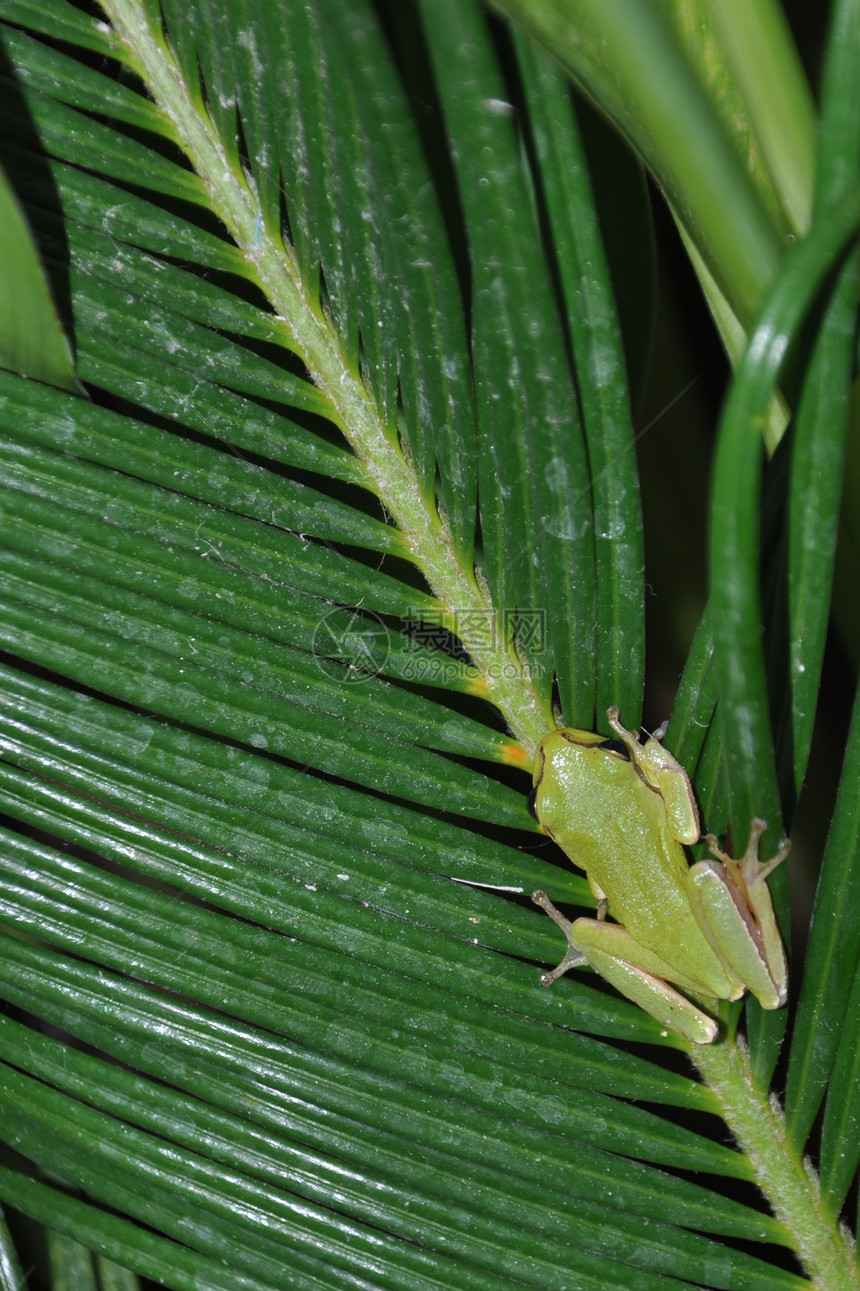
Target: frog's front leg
630 968
572 958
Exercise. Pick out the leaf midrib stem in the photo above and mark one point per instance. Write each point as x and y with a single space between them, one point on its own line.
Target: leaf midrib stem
790 1186
310 335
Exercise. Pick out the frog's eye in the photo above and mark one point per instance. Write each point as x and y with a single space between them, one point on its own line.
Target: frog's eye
618 748
531 803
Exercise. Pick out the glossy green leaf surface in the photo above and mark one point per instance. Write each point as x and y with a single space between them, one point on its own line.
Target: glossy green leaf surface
538 470
343 515
630 61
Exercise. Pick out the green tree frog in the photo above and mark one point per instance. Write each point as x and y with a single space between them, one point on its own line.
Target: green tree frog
621 810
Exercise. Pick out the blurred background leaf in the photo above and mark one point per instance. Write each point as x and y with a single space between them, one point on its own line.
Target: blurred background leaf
32 340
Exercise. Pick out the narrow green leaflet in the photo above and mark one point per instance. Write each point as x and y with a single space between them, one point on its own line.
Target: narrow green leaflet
63 22
71 1263
50 72
735 531
827 1027
178 1266
824 411
734 547
626 57
601 384
542 568
31 335
344 139
779 103
11 1276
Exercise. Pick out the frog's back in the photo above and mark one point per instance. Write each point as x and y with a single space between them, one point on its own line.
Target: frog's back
591 800
611 824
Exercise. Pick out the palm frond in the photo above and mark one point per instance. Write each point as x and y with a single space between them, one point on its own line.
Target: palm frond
341 337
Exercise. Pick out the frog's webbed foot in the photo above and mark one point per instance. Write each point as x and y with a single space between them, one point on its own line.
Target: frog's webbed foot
573 958
741 907
747 872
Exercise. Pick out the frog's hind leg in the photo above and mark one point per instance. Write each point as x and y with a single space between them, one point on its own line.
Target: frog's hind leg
611 952
635 972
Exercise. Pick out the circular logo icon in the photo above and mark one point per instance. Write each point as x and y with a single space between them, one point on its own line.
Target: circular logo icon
350 645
